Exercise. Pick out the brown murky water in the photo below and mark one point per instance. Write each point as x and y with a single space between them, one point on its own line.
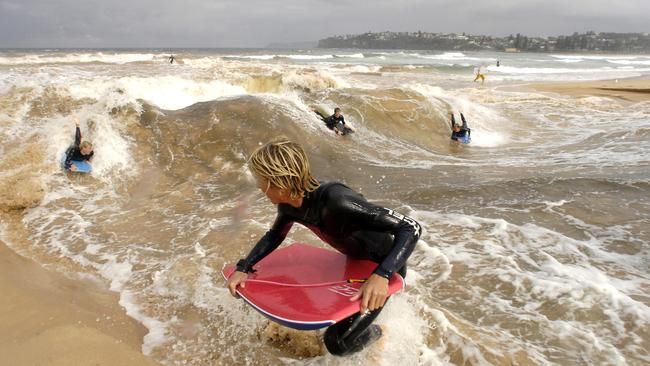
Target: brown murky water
535 245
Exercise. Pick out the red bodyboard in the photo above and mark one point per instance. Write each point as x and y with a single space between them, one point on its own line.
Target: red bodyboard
326 298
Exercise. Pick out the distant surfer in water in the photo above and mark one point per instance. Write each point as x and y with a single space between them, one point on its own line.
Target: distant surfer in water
336 122
342 218
171 59
459 133
479 75
79 151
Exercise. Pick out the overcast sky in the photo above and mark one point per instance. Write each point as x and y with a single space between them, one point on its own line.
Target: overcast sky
256 23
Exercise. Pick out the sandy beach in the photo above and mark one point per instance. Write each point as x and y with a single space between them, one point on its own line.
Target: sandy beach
48 319
629 90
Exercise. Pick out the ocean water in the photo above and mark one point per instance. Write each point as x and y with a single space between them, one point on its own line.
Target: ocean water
536 242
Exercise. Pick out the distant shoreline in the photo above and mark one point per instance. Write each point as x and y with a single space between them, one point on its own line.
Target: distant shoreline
586 42
252 49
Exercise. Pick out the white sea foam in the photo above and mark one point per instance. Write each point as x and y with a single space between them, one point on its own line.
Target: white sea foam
157 329
630 62
167 92
252 57
308 57
286 56
352 55
363 68
75 57
598 57
202 62
547 266
453 56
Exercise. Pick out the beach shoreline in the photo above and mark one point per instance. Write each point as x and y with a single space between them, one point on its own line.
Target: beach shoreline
632 90
49 319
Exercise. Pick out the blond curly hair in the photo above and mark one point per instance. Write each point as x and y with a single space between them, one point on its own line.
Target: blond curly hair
284 164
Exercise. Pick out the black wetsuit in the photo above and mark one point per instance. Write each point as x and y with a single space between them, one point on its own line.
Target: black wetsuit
464 130
335 122
74 152
345 220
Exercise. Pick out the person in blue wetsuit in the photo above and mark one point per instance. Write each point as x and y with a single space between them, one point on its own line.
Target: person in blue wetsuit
459 133
342 218
79 151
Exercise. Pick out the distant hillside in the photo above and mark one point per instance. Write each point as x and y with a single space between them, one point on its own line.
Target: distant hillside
590 41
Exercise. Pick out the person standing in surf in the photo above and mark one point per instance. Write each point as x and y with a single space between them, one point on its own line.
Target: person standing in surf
342 218
479 75
79 151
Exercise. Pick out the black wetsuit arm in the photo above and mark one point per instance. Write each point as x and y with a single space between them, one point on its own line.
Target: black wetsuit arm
454 134
464 127
69 154
77 137
363 215
406 232
268 243
322 116
68 157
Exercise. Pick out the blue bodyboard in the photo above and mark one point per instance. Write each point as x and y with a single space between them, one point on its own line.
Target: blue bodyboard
82 166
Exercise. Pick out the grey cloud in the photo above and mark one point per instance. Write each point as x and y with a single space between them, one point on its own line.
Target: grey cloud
254 23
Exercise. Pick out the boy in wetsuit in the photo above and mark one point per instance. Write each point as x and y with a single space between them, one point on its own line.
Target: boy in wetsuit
79 151
459 132
336 122
342 218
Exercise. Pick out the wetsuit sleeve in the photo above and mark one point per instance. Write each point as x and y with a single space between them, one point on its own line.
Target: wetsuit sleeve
70 152
343 120
322 116
268 243
469 130
453 122
68 157
77 137
365 216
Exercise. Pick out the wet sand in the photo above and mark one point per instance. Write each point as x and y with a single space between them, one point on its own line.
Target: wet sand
629 90
48 319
